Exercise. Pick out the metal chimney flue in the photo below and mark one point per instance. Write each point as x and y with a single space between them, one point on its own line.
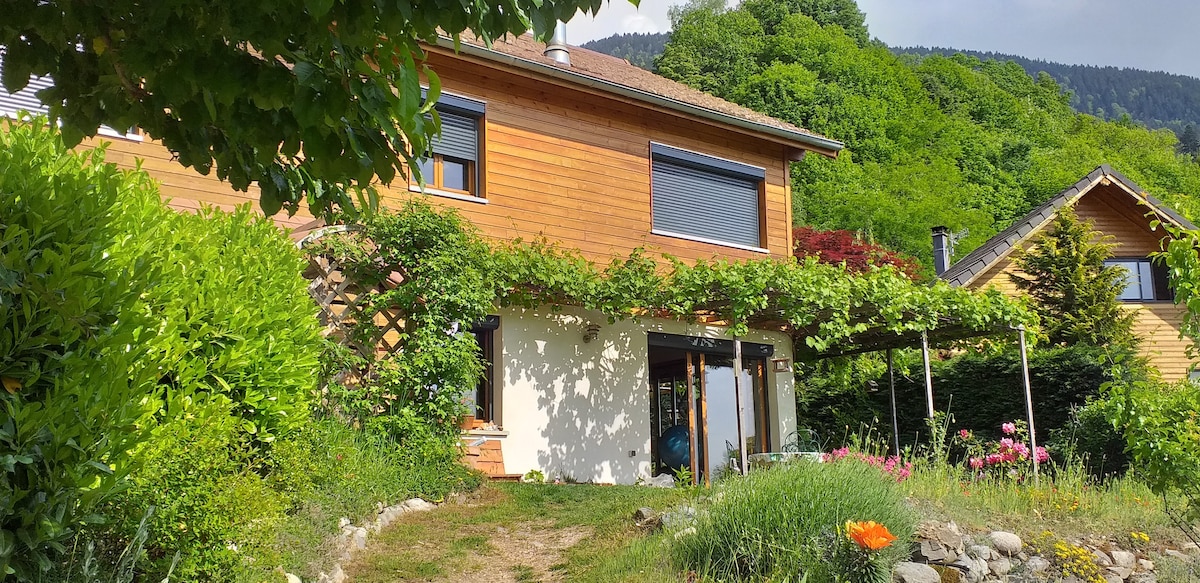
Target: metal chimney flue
941 249
557 49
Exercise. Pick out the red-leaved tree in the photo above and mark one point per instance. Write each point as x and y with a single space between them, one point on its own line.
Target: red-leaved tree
844 246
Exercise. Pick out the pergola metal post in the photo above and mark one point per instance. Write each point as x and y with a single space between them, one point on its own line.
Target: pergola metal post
895 418
737 396
928 374
1028 402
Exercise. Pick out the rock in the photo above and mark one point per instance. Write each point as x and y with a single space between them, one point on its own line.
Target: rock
946 534
418 505
323 578
643 514
915 573
974 570
1037 564
1143 578
343 522
1123 558
949 574
338 575
1006 542
1145 564
933 552
1174 554
679 517
1102 558
1110 577
979 552
1122 572
1000 567
661 481
292 578
360 538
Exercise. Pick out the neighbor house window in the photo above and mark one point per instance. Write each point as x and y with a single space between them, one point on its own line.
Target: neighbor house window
452 164
1145 281
704 198
27 100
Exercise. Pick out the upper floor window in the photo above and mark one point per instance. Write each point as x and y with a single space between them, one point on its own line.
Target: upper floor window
708 199
1145 280
452 165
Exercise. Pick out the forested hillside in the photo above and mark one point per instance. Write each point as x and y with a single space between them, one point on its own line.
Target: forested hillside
1154 98
935 141
637 48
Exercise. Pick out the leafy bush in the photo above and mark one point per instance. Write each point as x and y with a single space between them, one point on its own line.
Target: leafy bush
231 316
1089 436
70 406
209 504
785 522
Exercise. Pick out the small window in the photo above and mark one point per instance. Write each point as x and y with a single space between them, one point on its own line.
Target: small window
707 199
483 403
453 161
1145 280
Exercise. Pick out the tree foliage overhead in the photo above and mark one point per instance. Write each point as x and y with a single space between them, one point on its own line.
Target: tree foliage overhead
310 100
1074 292
952 141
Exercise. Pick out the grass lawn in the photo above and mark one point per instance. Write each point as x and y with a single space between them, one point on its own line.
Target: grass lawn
546 533
524 533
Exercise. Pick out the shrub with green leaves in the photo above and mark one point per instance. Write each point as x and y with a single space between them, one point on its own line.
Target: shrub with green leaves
71 400
230 316
788 522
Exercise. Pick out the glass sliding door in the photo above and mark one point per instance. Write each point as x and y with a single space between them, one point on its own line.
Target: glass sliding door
694 405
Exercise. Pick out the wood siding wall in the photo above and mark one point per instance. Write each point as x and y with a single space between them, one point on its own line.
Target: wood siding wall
1114 213
563 163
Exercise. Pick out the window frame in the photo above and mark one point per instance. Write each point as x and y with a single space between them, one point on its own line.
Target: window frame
486 401
7 100
717 166
467 107
1158 274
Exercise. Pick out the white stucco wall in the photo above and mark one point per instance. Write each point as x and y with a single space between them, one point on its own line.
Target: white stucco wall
578 409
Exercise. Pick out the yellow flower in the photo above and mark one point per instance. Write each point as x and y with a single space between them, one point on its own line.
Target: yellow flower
869 535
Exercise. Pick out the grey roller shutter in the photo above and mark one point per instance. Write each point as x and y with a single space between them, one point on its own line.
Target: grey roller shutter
26 98
460 137
717 206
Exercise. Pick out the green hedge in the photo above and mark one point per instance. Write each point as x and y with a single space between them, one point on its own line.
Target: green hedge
68 343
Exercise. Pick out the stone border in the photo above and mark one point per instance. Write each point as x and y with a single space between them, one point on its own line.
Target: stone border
352 538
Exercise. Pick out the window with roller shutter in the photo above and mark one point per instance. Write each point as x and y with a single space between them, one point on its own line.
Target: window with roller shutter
707 199
453 163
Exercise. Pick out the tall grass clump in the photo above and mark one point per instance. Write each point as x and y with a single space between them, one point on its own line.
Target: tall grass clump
789 521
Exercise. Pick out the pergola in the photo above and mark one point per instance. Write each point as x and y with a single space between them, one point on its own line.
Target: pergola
883 339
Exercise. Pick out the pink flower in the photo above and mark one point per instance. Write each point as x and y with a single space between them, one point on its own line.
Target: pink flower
1042 454
1008 428
1022 450
1005 444
993 459
976 463
963 433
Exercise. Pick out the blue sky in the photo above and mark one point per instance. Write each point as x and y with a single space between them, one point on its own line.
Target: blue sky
1146 34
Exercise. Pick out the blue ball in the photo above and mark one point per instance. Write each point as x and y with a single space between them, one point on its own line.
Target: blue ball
674 447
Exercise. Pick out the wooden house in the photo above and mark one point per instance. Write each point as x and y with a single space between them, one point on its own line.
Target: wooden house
593 153
1117 208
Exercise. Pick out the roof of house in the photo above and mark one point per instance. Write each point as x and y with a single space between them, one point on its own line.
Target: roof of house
617 75
981 259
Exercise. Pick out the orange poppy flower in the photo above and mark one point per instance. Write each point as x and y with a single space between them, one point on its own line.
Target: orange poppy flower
869 535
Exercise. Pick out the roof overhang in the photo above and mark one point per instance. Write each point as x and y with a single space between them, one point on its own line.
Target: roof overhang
799 140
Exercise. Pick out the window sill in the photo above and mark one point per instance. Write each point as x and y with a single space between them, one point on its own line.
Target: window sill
709 241
448 194
486 432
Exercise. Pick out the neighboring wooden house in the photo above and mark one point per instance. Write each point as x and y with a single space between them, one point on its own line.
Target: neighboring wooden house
598 155
1118 208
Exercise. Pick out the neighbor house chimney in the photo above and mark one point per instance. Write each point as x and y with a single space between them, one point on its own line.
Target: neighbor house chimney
941 249
557 49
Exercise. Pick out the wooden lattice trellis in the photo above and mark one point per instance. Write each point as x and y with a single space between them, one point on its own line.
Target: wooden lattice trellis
343 302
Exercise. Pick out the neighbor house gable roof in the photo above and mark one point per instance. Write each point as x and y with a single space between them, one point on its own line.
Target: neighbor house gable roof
618 76
967 269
